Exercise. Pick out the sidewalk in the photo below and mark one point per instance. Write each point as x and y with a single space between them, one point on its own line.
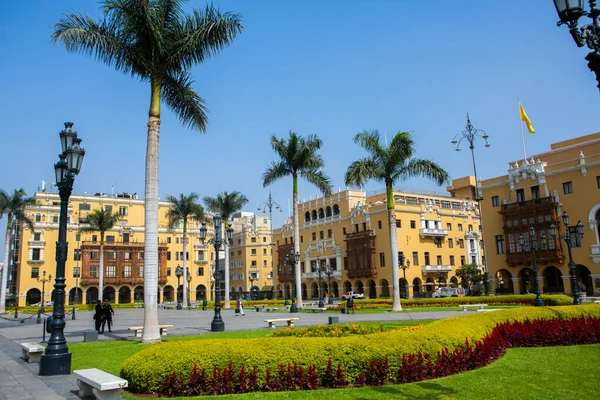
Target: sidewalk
20 380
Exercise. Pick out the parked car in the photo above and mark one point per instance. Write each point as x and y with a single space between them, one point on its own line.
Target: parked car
353 295
448 292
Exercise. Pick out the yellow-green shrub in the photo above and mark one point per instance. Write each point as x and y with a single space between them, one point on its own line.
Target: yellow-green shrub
146 370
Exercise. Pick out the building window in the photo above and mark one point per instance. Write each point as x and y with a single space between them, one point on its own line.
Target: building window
413 224
253 252
111 255
415 258
461 243
345 263
111 271
264 239
460 227
110 239
168 256
568 187
93 271
77 255
451 260
108 208
264 252
200 271
398 223
55 219
84 207
535 192
254 263
462 260
94 238
495 201
38 218
500 244
577 239
438 242
253 240
329 233
125 237
36 254
168 271
35 272
141 255
37 236
314 236
448 226
470 228
141 271
520 195
379 224
450 243
94 255
123 211
77 272
126 271
426 258
382 259
439 260
168 240
321 235
598 181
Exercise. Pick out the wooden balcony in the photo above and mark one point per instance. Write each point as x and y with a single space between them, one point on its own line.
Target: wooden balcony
543 257
542 202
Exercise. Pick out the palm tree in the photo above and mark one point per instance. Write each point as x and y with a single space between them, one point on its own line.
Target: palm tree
154 41
100 220
224 205
390 163
298 158
13 206
182 209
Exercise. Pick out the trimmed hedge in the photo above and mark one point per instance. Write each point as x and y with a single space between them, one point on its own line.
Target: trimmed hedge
146 370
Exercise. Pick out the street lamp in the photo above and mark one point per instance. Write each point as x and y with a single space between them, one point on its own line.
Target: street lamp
534 247
217 325
251 286
43 280
404 267
570 236
77 276
270 204
329 272
178 274
469 135
56 359
569 12
292 260
321 304
189 282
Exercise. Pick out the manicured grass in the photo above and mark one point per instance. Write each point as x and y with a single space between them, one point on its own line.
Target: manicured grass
525 373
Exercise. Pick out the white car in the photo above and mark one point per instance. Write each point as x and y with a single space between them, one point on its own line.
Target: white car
447 292
353 295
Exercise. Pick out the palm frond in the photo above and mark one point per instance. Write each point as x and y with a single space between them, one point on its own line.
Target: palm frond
369 140
183 208
276 171
361 171
180 97
279 146
225 204
100 220
423 168
402 146
319 179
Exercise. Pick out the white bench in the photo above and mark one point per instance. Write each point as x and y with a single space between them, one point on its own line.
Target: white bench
32 352
465 306
138 330
488 309
95 382
316 309
269 309
272 322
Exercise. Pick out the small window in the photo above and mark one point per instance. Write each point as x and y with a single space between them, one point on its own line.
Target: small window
37 236
415 258
55 219
462 260
460 227
94 238
448 226
568 187
413 224
344 230
470 228
426 258
253 240
127 271
253 252
439 260
36 254
329 233
77 272
93 271
535 192
398 223
77 255
461 243
168 256
500 244
110 239
321 235
314 236
379 224
84 207
35 272
382 259
301 239
200 271
451 260
264 252
520 195
264 239
123 211
254 263
108 208
450 243
126 238
168 240
495 201
364 226
168 271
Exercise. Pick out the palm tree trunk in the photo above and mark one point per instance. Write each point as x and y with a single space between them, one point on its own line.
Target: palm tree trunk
226 299
297 246
151 332
391 209
101 272
185 299
4 279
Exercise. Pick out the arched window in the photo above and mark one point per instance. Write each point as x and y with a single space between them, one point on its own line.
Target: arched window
321 213
38 217
336 210
314 215
307 217
328 211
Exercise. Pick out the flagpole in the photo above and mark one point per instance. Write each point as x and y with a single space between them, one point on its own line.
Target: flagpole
522 132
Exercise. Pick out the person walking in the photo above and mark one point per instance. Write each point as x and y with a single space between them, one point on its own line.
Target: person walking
108 313
238 306
98 315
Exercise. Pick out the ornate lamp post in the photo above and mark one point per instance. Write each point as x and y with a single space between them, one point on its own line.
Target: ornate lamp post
469 135
329 272
189 281
56 359
570 237
404 267
271 204
217 325
178 274
569 12
44 280
251 286
319 268
534 248
291 261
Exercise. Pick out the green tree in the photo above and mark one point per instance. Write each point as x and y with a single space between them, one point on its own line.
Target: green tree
298 158
100 220
469 275
224 205
13 206
155 42
183 209
390 163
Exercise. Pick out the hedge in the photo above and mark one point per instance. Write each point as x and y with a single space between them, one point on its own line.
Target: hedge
146 370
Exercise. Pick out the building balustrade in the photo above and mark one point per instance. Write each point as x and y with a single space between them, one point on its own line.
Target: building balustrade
428 269
433 232
543 201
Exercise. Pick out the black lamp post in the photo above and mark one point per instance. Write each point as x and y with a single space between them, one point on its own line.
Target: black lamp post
321 304
43 280
570 237
569 12
217 325
56 359
271 204
292 260
189 282
534 248
329 272
404 267
178 274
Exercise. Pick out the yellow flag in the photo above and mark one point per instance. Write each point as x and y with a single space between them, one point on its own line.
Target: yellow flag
525 119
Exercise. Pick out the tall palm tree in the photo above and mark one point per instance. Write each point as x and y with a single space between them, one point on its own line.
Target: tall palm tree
298 158
13 206
182 209
224 205
100 220
389 163
154 41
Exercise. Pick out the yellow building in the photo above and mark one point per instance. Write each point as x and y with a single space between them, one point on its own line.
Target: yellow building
348 231
535 193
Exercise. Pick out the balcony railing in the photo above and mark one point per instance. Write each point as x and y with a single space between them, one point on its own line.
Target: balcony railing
433 232
544 201
354 235
315 275
428 269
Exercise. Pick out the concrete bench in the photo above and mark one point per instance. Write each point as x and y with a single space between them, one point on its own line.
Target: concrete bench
488 309
138 330
32 352
465 306
272 309
259 307
95 382
316 309
273 322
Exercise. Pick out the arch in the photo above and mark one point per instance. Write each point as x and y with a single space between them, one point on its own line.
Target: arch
385 288
138 294
416 287
552 281
403 286
168 293
594 217
336 210
91 295
584 279
307 216
454 282
73 296
200 292
372 289
347 287
429 285
504 282
526 275
304 292
314 215
326 288
33 296
314 288
359 287
335 289
109 294
124 295
240 290
321 213
328 211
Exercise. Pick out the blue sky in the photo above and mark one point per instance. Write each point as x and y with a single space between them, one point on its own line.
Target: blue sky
330 68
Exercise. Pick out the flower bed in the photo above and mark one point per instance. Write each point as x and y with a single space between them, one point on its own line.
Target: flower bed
268 357
337 330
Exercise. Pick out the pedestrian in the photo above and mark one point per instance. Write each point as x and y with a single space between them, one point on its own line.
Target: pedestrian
98 315
238 306
108 313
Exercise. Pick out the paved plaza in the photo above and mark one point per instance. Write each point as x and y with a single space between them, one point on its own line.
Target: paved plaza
19 380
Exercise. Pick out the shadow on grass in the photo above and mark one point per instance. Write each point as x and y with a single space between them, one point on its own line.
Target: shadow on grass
431 391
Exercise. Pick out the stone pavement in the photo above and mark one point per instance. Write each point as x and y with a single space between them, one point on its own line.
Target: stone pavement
20 380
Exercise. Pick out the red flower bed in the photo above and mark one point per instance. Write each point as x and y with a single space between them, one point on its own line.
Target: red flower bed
415 367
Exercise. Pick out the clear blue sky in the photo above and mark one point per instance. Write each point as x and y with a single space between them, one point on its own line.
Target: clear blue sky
330 68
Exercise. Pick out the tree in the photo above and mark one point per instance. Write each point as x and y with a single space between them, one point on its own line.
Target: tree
182 209
100 220
390 163
469 275
154 41
298 158
13 206
224 205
